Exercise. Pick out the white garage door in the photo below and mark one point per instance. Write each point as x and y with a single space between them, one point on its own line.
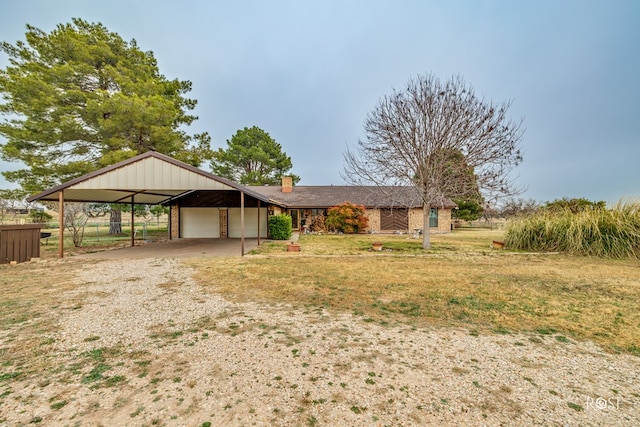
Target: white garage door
250 222
199 222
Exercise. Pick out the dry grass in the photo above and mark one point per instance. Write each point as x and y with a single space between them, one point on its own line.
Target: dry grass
360 244
460 282
28 305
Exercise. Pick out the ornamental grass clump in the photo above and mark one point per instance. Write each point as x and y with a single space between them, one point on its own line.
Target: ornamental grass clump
610 233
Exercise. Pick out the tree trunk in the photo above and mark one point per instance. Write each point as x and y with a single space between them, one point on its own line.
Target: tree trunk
426 235
115 221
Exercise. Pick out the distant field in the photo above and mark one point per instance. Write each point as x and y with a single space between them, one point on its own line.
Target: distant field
97 237
96 233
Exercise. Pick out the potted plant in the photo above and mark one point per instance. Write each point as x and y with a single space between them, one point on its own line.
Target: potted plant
497 245
293 247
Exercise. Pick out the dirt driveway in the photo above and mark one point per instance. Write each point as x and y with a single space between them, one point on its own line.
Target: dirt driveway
178 248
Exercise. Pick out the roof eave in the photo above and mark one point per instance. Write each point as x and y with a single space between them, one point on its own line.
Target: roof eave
47 194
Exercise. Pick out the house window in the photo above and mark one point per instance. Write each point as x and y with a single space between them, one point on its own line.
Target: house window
433 217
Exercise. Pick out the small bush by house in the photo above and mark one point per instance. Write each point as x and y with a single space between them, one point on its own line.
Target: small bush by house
280 227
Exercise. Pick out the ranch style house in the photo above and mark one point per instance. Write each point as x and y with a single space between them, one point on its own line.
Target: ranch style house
203 205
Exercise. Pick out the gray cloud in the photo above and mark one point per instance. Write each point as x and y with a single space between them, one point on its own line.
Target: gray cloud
308 72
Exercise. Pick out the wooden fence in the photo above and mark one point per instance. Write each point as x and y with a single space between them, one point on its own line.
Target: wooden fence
19 243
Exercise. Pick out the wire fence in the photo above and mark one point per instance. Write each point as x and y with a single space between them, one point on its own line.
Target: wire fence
101 231
491 225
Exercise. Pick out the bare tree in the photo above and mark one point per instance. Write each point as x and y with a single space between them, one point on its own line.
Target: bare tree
513 207
10 202
418 136
75 219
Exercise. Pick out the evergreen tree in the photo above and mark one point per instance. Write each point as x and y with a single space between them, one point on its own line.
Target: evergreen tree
253 158
81 98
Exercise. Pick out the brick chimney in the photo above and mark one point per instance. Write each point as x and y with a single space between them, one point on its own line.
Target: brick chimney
287 184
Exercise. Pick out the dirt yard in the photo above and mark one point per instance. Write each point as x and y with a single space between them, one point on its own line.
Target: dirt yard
139 343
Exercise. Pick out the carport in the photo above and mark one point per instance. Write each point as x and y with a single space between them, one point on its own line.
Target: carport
153 178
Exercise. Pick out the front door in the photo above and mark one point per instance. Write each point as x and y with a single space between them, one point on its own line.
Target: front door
295 218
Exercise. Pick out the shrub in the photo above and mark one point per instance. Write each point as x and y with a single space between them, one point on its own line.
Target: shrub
347 218
280 227
612 233
574 205
39 216
467 210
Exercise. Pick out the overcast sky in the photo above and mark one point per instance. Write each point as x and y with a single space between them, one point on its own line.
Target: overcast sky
308 72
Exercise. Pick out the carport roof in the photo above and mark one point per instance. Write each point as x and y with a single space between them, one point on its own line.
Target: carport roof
150 178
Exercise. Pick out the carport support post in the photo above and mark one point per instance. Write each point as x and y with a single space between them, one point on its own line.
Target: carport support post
133 233
242 223
258 222
61 224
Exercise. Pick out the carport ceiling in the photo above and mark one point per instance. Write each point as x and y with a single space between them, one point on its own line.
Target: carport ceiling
150 178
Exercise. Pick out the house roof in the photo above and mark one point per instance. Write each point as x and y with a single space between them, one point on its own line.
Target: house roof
326 196
153 178
150 178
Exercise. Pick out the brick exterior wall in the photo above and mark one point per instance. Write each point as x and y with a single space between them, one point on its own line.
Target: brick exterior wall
224 223
373 215
174 215
415 220
444 220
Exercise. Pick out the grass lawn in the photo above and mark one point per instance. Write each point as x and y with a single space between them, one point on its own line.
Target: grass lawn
461 281
97 238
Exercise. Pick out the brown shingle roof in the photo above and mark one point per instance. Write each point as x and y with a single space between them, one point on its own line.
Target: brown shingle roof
327 196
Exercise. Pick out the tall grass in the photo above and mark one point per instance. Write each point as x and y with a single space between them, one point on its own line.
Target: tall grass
609 233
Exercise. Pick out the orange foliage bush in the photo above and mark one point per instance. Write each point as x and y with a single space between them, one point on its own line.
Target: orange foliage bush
347 218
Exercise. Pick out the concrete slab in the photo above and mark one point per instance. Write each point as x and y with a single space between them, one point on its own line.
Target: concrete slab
178 248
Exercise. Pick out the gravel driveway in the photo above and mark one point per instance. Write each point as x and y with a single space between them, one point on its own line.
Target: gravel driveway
175 355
